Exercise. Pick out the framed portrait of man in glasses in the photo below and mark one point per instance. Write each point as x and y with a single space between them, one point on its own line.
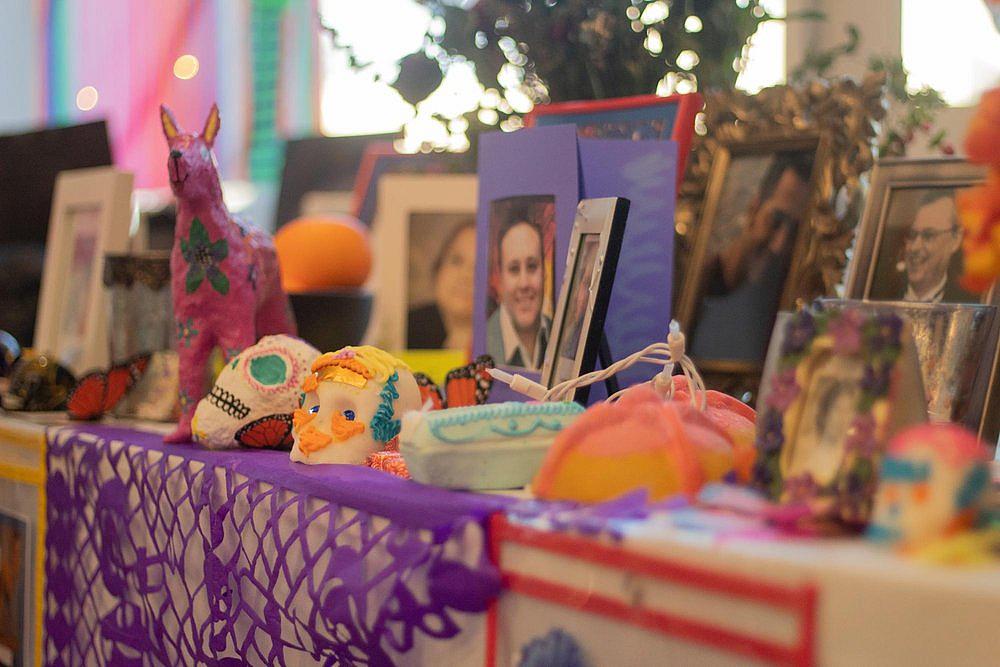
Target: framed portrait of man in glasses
909 245
908 258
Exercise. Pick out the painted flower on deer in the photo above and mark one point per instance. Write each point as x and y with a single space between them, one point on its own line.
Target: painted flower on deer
203 258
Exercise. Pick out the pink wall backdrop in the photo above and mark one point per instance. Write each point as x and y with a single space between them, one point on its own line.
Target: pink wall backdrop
126 50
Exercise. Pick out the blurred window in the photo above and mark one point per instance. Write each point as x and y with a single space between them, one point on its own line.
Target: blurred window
952 46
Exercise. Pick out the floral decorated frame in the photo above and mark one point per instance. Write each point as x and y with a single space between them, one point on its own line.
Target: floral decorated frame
872 354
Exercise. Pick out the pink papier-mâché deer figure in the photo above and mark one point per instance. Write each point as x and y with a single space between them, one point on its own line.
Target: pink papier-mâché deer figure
224 274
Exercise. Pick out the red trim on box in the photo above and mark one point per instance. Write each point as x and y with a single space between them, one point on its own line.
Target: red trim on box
800 600
616 557
366 170
662 622
807 617
493 612
688 106
596 106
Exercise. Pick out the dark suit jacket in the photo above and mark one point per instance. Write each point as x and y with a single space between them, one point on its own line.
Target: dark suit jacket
953 293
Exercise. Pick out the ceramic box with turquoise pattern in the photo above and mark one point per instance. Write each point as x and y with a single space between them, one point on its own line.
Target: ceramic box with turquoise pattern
482 447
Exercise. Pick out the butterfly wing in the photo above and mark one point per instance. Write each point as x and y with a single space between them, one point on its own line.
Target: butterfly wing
429 391
470 384
270 432
122 377
484 381
87 399
119 381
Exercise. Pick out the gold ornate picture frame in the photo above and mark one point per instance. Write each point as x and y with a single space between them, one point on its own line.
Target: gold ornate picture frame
845 111
741 171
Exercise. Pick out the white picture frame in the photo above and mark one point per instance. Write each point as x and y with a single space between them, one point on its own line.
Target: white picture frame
400 198
91 216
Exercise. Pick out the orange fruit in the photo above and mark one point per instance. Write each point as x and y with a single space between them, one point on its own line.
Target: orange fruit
323 252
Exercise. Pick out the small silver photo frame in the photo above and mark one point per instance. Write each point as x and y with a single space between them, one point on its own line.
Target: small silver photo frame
578 328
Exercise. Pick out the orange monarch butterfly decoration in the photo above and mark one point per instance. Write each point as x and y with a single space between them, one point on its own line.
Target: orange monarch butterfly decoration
270 432
464 386
99 392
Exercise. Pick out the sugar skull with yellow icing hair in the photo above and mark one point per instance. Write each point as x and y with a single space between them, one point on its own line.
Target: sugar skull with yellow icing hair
351 405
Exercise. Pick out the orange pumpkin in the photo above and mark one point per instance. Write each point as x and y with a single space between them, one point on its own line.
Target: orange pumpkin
322 253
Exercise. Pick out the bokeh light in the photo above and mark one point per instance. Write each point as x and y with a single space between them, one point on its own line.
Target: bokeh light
688 59
186 67
762 63
653 42
655 12
86 98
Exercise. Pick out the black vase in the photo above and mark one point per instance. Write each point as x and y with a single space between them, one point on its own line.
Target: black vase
331 319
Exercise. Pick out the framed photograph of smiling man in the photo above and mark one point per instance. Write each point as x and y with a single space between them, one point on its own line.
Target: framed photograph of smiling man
908 255
529 186
520 294
909 243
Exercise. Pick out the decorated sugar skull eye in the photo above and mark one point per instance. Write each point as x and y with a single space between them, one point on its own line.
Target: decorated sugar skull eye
314 409
273 370
348 415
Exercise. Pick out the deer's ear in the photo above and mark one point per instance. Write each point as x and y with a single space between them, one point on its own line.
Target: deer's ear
170 127
211 126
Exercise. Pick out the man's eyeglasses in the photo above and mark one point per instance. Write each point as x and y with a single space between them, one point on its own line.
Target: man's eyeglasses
927 235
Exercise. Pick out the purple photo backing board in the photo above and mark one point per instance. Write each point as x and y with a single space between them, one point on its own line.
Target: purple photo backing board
644 172
536 161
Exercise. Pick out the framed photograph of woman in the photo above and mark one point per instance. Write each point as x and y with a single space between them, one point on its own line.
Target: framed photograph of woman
520 293
91 216
750 241
586 290
425 256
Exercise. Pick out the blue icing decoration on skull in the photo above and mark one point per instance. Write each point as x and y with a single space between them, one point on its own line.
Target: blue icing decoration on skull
383 427
269 369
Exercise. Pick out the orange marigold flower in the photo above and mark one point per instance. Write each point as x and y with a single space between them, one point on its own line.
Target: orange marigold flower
982 142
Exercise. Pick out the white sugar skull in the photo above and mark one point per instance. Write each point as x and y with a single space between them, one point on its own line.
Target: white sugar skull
353 400
254 396
931 485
